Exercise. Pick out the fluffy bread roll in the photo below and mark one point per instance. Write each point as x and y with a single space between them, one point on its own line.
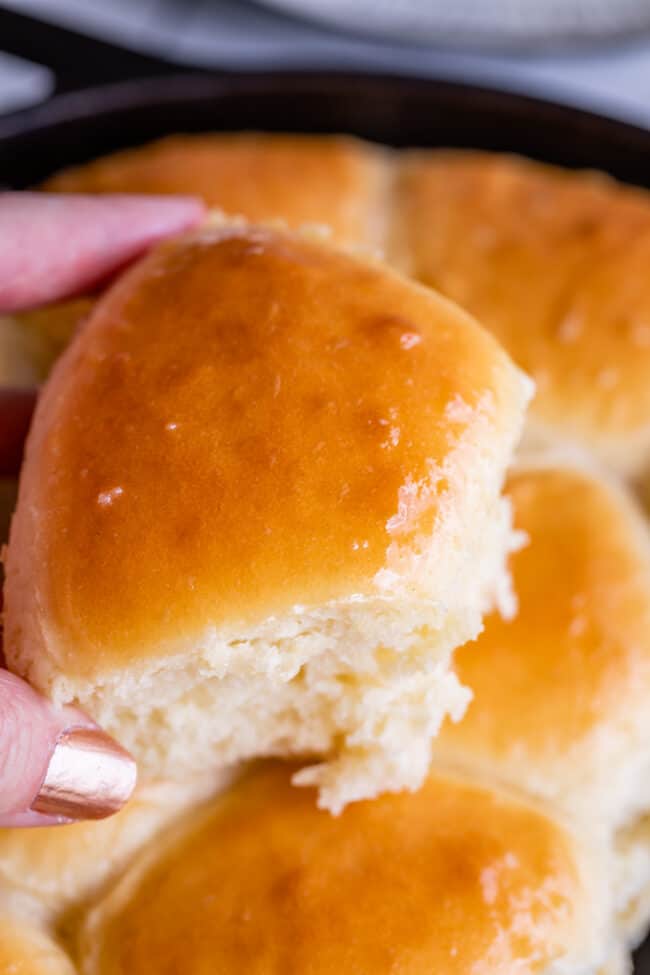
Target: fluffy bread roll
554 263
560 705
457 879
259 509
330 181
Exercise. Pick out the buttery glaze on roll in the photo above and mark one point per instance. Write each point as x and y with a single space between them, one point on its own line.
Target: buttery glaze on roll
457 879
555 264
560 705
260 474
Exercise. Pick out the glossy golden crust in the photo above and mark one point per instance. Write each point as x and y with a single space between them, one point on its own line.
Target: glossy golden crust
453 879
560 691
555 264
333 181
249 421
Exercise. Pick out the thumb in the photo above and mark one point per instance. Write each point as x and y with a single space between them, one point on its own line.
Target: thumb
54 246
55 766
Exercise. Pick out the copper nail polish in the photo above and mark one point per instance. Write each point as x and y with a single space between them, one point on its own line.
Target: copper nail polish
89 776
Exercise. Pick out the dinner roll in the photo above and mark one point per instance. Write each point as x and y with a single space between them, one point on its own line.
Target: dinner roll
333 181
61 868
457 879
555 264
260 507
561 691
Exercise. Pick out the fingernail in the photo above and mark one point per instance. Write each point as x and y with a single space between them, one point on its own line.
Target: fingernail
89 776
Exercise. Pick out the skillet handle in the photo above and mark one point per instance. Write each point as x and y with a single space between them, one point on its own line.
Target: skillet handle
76 61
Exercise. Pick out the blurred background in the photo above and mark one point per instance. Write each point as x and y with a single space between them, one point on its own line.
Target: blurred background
590 53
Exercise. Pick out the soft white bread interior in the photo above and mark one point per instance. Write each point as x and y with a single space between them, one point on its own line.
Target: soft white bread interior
261 505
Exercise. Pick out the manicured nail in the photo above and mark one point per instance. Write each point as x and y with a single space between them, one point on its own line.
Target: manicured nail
89 776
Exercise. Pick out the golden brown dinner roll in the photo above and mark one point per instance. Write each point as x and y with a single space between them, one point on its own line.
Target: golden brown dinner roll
561 691
260 474
62 867
456 879
555 264
332 181
31 341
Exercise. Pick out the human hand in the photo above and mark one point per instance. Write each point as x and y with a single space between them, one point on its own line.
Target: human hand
58 766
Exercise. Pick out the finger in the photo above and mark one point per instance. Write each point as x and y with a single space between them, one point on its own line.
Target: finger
56 765
16 409
55 246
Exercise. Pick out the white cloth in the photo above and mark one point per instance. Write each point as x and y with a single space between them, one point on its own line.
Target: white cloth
477 21
613 78
21 83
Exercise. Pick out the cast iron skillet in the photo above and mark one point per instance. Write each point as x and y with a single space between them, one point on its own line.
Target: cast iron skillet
107 98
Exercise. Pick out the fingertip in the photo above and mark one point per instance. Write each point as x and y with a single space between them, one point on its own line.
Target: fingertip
89 776
159 217
103 233
56 764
